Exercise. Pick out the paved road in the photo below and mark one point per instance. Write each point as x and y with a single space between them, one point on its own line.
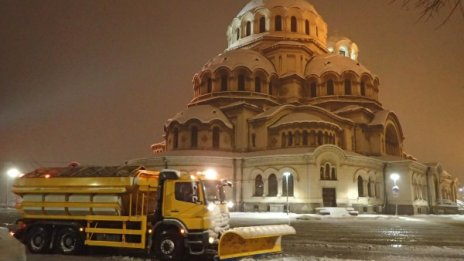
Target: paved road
365 238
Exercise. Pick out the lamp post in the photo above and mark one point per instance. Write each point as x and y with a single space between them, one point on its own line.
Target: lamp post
395 190
12 174
286 174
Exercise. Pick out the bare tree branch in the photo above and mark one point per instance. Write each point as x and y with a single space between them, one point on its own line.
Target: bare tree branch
432 8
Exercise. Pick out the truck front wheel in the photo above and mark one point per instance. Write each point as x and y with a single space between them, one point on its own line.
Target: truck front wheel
69 242
38 239
169 246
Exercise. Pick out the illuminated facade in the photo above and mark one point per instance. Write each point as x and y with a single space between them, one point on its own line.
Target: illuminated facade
283 97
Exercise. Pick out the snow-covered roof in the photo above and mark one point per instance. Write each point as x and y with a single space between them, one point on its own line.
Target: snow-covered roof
269 4
203 113
352 108
301 117
240 58
380 117
334 63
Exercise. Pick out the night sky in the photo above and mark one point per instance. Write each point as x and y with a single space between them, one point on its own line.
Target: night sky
94 81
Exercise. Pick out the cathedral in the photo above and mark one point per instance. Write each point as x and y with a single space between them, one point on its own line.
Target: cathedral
293 119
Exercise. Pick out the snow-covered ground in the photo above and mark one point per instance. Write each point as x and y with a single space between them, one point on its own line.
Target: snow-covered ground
334 237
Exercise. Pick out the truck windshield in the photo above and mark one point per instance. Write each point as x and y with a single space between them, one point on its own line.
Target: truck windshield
214 191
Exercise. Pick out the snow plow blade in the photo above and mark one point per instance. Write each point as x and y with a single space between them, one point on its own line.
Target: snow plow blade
250 241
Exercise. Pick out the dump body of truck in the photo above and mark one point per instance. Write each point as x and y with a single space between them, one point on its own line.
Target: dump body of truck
166 213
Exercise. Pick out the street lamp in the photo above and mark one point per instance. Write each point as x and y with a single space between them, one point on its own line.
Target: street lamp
286 174
395 190
12 174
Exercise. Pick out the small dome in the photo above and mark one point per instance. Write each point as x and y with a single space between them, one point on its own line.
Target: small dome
343 46
269 4
203 113
334 63
240 58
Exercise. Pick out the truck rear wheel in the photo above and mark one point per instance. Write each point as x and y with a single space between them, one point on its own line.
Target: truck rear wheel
69 242
38 239
169 246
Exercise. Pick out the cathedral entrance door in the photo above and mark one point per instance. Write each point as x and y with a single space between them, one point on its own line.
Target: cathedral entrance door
329 197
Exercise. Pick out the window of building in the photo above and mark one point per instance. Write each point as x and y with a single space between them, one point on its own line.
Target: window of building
363 88
194 137
257 84
270 87
290 139
253 140
293 24
330 87
175 138
369 188
307 27
262 24
328 172
305 138
248 28
313 90
347 87
238 34
272 185
259 186
209 85
216 132
283 140
290 185
241 82
224 80
360 187
278 23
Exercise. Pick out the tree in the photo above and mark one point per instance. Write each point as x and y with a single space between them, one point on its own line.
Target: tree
432 8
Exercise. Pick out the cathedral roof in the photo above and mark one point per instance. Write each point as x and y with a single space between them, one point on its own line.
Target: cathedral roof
240 58
301 117
203 113
334 63
268 4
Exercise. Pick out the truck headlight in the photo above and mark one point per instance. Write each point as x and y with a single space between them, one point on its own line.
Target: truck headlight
211 240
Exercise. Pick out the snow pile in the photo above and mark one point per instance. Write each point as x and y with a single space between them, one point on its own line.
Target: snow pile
10 248
460 204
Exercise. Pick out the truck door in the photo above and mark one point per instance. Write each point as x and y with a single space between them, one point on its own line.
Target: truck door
181 202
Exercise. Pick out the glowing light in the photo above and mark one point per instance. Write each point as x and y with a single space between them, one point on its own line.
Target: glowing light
230 204
211 206
182 231
210 174
13 173
395 177
211 240
286 174
81 229
47 176
150 231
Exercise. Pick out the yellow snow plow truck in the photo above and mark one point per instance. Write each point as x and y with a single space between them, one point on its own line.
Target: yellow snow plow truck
168 214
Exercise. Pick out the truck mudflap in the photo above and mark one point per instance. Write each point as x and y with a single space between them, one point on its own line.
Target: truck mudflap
250 241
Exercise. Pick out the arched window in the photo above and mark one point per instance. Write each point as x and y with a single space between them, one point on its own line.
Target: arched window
194 137
293 24
272 185
248 28
175 138
320 140
209 85
253 140
290 139
327 171
305 138
257 84
238 34
241 82
259 186
313 90
330 87
307 27
224 84
262 24
363 88
290 185
334 174
347 87
216 135
278 23
270 87
322 172
360 187
283 140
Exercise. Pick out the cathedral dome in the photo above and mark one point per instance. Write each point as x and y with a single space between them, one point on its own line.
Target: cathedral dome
266 21
339 64
249 59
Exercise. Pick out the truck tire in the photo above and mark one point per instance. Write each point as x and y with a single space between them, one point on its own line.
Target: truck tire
169 246
38 239
69 241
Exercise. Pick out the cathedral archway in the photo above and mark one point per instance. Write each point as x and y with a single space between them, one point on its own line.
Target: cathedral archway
392 141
